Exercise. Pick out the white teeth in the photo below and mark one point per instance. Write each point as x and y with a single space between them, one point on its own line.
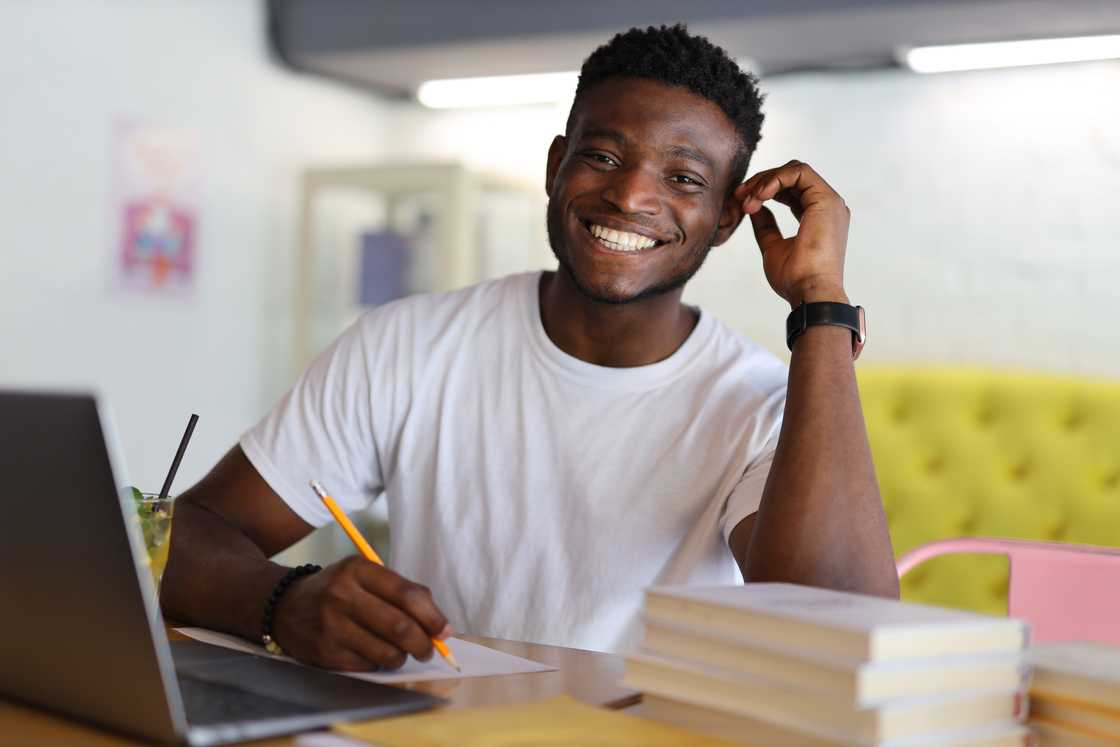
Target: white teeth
621 240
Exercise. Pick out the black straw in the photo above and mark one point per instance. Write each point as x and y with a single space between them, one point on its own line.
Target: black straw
178 457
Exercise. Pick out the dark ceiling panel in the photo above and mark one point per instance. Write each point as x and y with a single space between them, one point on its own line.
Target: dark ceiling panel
318 26
392 46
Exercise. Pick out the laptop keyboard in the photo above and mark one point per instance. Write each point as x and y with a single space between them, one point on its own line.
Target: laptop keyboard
214 703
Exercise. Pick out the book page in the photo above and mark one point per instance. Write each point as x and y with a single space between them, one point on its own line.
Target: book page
476 660
1097 661
827 607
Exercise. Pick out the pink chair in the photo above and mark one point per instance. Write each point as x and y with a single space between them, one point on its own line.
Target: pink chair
1066 592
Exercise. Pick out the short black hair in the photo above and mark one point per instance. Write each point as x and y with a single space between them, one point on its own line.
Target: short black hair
671 55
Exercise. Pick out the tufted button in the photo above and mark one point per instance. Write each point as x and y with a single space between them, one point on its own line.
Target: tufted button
985 416
1020 471
1111 480
1057 528
934 464
918 575
1071 420
899 413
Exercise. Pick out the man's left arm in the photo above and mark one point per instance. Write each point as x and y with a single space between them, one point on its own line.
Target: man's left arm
820 521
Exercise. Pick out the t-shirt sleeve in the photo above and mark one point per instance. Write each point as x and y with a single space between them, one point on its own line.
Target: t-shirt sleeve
322 430
747 495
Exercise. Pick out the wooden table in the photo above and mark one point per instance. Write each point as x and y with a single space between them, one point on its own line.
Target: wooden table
585 675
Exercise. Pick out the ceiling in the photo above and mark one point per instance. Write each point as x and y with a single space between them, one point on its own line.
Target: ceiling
391 46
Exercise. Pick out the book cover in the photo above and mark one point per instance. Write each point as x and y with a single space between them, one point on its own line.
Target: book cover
835 622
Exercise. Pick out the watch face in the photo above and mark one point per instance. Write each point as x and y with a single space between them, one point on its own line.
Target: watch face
858 341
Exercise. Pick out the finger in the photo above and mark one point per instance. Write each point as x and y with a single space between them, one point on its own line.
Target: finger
335 651
766 231
746 191
815 178
375 652
346 660
802 180
412 599
767 185
786 179
751 203
392 625
758 176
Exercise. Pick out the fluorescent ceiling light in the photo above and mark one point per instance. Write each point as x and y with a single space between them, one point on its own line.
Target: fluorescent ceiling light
498 90
1011 53
507 90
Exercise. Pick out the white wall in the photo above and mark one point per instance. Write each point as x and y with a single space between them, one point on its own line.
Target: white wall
69 72
985 228
984 225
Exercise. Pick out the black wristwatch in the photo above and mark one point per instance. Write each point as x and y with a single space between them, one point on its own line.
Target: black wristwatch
828 312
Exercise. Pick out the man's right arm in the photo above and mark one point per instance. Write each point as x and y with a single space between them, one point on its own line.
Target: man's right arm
351 615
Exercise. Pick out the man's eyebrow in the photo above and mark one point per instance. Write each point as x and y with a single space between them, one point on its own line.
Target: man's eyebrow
602 132
681 151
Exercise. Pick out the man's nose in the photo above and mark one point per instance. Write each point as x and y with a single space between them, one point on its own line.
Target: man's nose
633 190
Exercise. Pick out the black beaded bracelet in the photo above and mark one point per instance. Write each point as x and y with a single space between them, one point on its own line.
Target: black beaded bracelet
282 585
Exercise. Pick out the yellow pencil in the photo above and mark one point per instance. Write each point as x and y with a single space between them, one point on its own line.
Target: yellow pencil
369 554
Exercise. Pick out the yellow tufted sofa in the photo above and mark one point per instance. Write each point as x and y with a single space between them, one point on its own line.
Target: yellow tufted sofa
968 452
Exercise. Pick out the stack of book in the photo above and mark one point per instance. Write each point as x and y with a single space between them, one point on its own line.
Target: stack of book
1075 694
779 665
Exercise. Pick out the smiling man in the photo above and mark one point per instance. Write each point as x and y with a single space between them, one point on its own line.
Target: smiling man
552 443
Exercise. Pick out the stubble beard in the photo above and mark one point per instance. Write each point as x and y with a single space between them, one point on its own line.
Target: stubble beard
691 265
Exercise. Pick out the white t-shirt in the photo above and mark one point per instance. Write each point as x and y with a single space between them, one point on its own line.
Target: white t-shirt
536 494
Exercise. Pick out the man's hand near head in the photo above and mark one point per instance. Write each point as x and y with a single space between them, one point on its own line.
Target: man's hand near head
352 615
808 266
820 521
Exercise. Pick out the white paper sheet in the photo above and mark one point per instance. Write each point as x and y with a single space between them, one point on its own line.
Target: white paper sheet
476 660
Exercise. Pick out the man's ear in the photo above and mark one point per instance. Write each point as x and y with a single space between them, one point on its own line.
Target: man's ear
730 215
556 153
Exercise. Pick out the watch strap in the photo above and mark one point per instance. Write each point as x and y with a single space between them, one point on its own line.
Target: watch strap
825 312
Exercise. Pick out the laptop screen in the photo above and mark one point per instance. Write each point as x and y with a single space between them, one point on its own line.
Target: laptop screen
81 631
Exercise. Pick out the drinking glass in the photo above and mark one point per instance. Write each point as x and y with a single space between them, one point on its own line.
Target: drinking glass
155 523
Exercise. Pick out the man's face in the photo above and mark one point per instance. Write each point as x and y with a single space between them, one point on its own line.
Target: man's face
637 191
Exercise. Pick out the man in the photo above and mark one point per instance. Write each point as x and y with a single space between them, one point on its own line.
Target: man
551 443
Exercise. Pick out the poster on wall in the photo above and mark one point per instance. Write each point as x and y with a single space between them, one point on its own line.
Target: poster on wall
156 207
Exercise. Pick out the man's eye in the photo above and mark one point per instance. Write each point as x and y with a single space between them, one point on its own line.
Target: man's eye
686 180
602 158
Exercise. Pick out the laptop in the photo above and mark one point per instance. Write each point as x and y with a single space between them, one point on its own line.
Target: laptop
80 627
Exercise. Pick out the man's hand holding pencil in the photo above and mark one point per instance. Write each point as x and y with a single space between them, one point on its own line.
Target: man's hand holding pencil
357 615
